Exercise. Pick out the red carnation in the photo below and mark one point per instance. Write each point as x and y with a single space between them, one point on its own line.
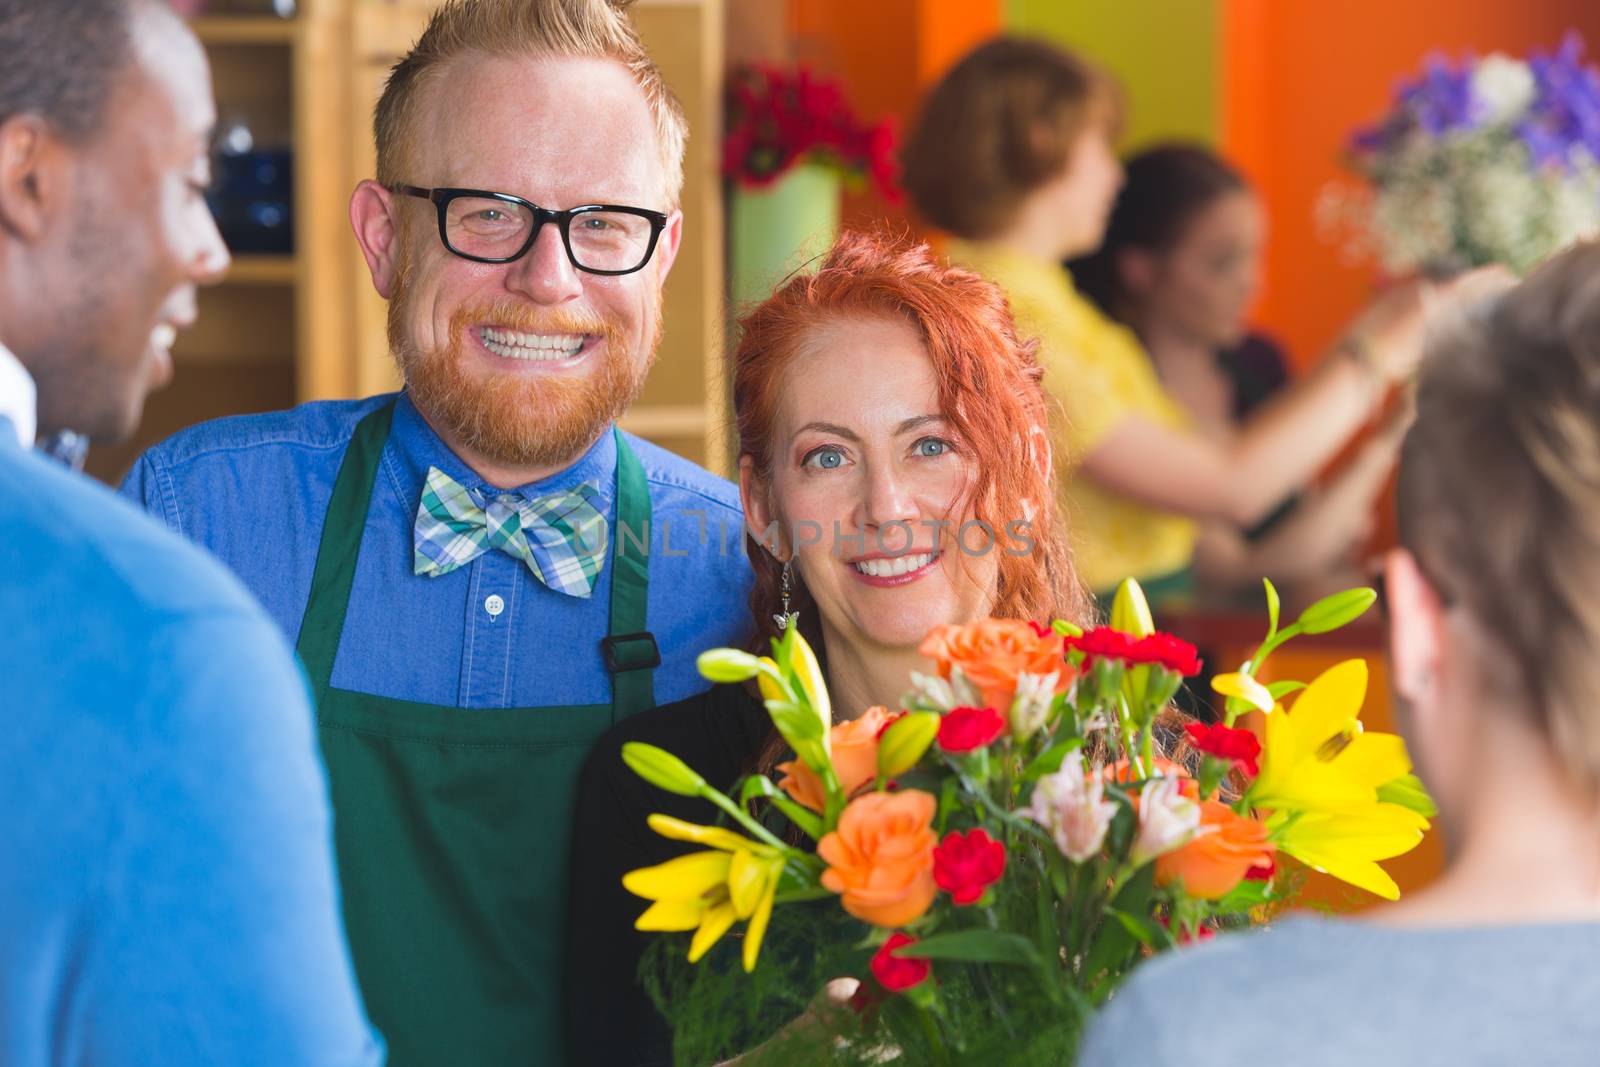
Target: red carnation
1170 652
1184 937
964 865
965 729
895 973
1226 742
1102 642
1262 873
1042 629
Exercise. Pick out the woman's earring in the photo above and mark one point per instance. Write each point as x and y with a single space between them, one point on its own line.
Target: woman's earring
786 618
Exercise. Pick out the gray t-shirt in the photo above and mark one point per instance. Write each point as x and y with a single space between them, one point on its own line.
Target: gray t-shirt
1313 992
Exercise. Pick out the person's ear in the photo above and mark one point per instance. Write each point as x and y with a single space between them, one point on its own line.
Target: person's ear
760 518
667 246
1136 270
372 216
1416 630
34 176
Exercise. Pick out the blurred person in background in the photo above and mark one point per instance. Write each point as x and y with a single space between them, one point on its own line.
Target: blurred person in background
1494 641
1012 154
1180 265
167 885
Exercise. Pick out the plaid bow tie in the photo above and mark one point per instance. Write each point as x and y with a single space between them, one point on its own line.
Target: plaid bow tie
561 536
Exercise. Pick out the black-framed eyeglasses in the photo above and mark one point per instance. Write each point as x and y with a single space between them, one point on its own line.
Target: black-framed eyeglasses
488 227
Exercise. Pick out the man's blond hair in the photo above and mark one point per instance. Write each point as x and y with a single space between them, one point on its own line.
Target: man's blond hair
537 29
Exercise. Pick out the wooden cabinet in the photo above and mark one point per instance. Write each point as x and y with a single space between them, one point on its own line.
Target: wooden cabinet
284 329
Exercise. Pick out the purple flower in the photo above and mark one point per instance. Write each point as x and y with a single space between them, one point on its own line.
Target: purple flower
1566 110
1437 102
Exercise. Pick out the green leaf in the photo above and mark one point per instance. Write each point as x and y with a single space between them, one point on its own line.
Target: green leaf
1114 943
1272 606
905 742
1409 792
1145 930
975 946
1066 629
726 665
759 785
1339 609
794 722
1279 690
1049 761
662 769
1242 897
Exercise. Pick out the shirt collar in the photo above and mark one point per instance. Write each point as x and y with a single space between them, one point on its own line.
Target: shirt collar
416 448
18 397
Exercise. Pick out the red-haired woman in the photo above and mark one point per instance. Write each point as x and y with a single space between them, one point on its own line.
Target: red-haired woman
895 468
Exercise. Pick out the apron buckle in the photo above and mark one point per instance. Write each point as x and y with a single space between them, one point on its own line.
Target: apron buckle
630 652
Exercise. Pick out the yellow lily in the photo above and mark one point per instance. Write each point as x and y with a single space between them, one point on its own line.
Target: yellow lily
1130 612
1246 688
706 892
1320 774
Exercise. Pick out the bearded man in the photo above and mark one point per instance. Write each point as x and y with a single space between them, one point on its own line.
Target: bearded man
465 565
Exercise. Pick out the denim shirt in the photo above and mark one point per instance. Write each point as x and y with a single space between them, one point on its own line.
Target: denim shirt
255 489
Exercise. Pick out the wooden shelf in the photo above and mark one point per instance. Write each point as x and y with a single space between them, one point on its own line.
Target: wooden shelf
261 270
244 29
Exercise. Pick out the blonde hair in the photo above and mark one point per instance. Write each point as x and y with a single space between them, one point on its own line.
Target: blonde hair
537 29
1499 493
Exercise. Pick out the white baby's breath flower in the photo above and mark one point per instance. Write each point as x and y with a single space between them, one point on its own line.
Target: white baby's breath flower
1503 87
1030 706
1072 806
1167 819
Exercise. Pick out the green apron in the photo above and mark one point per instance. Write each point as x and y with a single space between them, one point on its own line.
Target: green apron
453 826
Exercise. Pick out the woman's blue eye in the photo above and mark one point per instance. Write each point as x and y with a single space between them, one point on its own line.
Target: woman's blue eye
826 458
932 446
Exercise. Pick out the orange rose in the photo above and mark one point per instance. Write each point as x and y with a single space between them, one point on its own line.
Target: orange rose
855 761
992 652
881 857
1122 772
1227 846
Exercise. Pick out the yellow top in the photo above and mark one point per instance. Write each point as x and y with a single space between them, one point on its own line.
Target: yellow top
1100 375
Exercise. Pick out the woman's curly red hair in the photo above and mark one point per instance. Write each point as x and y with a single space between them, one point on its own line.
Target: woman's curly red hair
989 393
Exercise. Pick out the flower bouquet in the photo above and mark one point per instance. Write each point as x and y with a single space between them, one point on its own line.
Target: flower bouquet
777 119
990 861
1491 160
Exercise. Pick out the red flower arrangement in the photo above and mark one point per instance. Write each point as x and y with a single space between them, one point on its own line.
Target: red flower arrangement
1161 649
965 729
1226 742
964 865
898 973
779 118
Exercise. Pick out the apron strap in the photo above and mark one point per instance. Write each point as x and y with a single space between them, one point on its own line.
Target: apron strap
335 572
630 651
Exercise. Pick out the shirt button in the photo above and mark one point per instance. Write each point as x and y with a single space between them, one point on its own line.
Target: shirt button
494 606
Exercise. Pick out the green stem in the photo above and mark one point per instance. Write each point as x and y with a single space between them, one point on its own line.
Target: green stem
739 816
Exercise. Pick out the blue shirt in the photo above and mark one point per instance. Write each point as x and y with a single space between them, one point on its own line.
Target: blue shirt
255 489
167 886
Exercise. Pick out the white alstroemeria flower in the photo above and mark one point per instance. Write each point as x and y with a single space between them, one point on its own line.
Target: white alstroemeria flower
1072 806
1030 706
1503 87
1167 819
937 694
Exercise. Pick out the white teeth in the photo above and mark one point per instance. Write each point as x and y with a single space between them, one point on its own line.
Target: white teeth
890 568
533 346
164 335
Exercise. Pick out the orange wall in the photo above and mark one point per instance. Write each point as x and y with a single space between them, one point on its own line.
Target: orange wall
888 52
1298 75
